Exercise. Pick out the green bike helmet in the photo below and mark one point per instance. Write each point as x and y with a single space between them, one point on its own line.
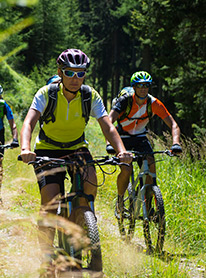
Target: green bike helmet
140 77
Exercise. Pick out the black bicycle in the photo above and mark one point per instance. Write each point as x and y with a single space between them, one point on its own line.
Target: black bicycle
89 258
149 198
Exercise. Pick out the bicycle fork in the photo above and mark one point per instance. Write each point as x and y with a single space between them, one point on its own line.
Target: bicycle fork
140 198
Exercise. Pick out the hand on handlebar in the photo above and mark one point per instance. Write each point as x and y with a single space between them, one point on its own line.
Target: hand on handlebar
125 157
176 149
28 156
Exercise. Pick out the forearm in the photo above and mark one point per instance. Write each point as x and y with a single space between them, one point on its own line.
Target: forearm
175 134
115 140
13 128
15 132
26 135
175 130
111 134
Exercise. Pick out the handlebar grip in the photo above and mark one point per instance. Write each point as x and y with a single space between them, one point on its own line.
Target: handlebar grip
19 158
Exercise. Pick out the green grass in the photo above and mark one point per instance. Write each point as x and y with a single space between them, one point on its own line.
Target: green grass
182 182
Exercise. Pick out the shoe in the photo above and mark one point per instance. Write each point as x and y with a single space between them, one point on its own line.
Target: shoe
119 208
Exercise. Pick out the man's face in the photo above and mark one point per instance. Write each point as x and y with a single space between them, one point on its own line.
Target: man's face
142 89
72 78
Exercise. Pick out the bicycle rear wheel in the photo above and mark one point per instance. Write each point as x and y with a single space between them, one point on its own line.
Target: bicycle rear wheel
154 229
126 222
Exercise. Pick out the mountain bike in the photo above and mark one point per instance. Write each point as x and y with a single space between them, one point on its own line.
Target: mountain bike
89 259
149 197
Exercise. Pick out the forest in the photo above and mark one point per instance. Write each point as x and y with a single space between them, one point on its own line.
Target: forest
166 38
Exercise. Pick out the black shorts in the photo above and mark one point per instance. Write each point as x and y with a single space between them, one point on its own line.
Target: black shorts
60 176
139 144
2 140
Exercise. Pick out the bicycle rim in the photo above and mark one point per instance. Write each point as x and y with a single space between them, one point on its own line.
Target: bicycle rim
154 228
126 222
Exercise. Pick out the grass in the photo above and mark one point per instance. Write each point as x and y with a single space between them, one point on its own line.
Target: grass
182 182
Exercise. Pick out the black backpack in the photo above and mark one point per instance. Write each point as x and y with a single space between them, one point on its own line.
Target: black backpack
86 96
128 92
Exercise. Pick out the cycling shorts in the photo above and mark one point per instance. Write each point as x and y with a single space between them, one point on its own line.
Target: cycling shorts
59 177
139 144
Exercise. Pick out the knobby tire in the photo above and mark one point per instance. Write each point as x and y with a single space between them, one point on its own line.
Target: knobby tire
89 258
126 222
154 229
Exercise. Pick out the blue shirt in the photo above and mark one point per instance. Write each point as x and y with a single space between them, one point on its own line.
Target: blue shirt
8 113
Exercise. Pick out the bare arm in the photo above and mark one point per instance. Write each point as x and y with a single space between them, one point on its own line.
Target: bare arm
113 137
171 123
113 116
26 135
14 131
111 134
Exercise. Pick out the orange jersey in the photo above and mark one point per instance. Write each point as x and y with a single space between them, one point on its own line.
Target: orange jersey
138 126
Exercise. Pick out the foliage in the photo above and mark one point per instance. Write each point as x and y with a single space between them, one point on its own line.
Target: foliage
166 38
18 89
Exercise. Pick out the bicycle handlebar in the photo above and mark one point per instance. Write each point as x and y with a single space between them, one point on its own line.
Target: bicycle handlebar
144 154
7 146
40 160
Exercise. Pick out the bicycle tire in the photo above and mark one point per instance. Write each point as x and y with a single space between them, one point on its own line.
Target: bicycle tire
89 258
154 228
126 222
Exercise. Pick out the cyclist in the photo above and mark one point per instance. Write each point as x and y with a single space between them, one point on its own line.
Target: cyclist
69 125
6 110
133 131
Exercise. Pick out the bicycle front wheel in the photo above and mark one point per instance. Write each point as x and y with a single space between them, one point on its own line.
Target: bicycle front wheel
154 227
87 256
90 257
126 220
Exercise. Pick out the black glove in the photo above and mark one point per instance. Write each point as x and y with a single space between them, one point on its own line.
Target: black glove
110 149
176 148
15 143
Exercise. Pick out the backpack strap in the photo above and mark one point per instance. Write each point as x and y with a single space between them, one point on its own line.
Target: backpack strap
128 108
52 102
3 110
53 88
86 96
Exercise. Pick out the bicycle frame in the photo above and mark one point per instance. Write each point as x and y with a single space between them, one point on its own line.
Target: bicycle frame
76 192
141 178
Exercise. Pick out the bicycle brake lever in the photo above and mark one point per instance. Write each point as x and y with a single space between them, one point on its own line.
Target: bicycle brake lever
168 152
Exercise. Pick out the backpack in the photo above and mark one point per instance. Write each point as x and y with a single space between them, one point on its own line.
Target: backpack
86 96
128 92
2 108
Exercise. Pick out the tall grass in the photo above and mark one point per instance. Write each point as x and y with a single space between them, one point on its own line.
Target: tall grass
182 182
